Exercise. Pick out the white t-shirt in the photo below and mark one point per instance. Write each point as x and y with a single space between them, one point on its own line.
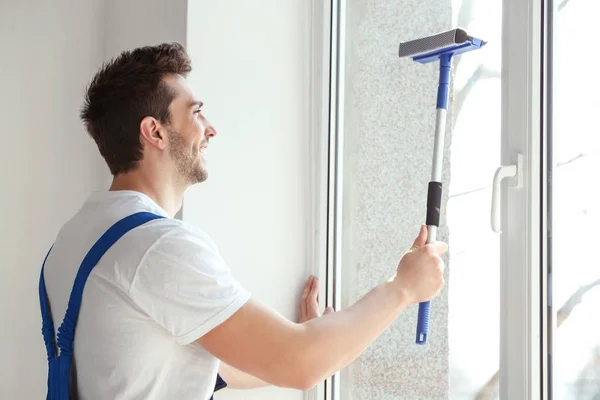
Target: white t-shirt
155 291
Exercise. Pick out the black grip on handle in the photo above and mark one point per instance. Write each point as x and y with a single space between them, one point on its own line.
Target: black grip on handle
434 203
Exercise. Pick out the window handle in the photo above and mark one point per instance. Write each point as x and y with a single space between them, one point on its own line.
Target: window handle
505 171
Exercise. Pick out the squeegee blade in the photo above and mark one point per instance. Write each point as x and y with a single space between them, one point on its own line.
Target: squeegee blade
452 41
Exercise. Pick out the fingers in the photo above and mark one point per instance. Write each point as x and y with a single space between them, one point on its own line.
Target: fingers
437 248
309 303
421 239
312 302
313 293
440 247
303 310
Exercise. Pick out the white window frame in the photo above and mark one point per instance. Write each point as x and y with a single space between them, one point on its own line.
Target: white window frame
335 172
325 160
523 289
524 307
547 165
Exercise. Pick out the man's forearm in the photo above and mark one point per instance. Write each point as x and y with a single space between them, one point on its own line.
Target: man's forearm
331 342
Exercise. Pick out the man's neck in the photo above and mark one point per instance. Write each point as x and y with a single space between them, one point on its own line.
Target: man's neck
167 195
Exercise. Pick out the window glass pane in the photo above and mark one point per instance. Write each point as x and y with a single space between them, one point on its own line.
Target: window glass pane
576 210
474 284
389 117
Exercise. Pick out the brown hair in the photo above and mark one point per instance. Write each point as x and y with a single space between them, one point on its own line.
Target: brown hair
124 91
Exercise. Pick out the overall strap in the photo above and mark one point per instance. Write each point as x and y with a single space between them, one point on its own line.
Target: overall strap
47 324
66 332
59 365
48 334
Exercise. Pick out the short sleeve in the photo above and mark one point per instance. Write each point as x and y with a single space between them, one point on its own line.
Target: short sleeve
184 285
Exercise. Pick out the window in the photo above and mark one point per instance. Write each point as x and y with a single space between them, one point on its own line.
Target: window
575 210
507 325
389 118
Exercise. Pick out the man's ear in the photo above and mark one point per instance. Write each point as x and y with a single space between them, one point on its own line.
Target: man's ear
149 130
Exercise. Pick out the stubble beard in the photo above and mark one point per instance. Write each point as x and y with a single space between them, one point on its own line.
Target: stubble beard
188 162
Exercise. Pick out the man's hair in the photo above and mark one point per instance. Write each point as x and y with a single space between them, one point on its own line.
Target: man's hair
124 91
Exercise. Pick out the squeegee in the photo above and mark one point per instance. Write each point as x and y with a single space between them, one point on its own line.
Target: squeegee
438 47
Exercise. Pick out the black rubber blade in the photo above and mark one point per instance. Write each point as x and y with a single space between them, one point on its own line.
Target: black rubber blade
434 42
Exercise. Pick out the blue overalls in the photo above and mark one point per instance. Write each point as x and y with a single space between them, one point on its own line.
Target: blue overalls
59 366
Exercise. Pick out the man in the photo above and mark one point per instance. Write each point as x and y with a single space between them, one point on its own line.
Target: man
161 313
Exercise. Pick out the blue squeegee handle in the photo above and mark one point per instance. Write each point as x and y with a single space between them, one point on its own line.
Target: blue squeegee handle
434 190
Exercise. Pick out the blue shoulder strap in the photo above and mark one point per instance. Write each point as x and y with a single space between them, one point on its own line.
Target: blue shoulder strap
59 366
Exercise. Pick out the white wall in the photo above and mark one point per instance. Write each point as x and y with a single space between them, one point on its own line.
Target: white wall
251 68
134 23
48 163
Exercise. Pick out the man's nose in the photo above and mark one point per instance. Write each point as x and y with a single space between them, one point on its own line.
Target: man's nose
209 129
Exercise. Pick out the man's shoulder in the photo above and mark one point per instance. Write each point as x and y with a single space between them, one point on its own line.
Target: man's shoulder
175 226
179 251
175 232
